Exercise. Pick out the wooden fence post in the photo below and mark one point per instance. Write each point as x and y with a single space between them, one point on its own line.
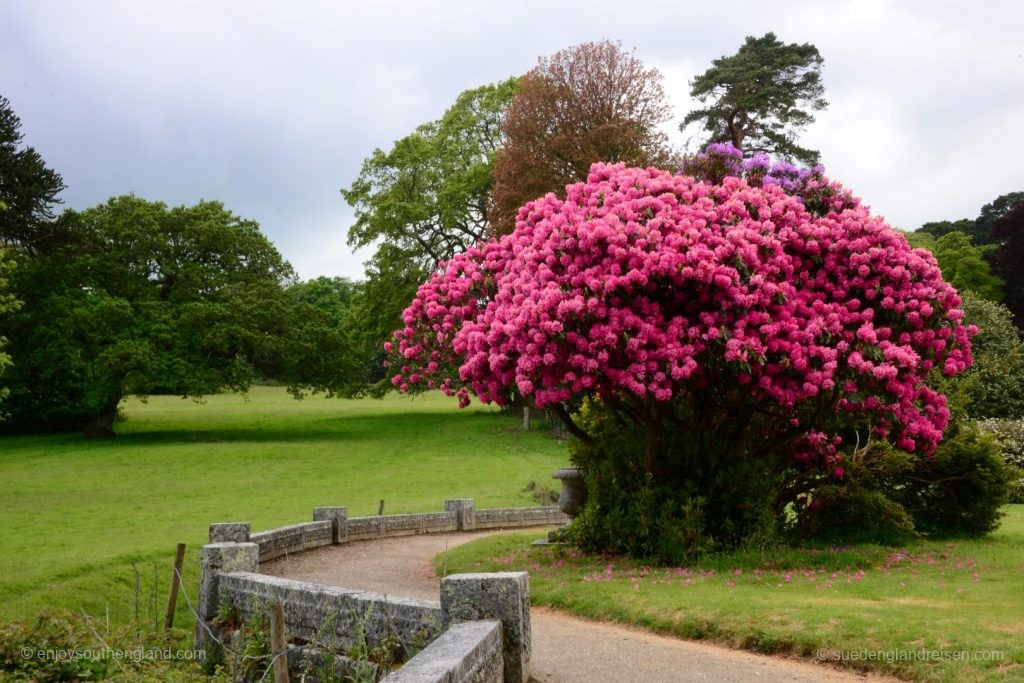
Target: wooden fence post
277 645
172 598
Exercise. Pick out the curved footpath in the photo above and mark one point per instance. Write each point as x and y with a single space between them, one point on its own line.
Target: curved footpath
565 648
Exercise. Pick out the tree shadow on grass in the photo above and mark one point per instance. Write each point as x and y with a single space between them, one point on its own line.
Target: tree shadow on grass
346 429
342 429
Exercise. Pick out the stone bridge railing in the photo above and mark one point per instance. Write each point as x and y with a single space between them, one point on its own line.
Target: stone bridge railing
478 631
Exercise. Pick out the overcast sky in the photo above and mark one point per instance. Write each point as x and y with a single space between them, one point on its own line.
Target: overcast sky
271 107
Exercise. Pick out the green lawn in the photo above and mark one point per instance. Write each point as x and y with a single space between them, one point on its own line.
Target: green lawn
75 515
939 596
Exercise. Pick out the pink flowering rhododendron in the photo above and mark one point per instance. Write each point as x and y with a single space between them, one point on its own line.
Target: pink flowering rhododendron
646 288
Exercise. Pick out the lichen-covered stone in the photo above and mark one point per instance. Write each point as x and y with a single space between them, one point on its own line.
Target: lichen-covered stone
504 518
338 517
333 615
214 559
469 652
362 528
294 538
504 596
229 532
465 511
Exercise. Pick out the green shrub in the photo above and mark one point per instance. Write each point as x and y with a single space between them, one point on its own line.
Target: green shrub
993 387
699 504
962 488
673 517
1010 435
1016 493
860 508
888 496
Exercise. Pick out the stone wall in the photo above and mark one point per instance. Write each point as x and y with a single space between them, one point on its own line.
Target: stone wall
291 539
507 518
470 651
330 615
479 631
385 526
332 525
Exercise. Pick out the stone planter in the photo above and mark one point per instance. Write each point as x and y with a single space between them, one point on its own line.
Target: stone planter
574 490
571 498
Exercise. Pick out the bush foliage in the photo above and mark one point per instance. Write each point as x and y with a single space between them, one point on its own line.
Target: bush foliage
735 333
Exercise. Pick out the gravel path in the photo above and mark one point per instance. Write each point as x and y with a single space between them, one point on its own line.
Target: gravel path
565 648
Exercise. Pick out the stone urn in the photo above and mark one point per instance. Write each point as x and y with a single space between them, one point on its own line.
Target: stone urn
570 500
574 490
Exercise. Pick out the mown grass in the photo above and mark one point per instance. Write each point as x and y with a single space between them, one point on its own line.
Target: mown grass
946 597
76 515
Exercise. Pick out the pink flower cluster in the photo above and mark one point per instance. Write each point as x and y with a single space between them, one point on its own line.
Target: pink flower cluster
653 285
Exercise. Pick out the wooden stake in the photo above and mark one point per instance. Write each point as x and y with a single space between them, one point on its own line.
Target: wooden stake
277 646
172 598
380 509
138 625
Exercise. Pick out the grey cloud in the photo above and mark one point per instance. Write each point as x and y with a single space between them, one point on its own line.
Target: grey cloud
271 107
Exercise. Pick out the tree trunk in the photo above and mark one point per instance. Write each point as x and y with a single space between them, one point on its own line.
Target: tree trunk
102 425
737 137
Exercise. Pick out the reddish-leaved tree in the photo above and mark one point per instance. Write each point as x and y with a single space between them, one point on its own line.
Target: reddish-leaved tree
588 103
1008 258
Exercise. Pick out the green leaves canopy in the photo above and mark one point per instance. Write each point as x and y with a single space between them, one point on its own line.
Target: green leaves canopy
994 385
146 299
420 203
963 263
428 195
7 303
993 211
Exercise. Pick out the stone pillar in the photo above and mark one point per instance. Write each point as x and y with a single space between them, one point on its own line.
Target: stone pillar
338 517
229 532
214 559
504 596
465 512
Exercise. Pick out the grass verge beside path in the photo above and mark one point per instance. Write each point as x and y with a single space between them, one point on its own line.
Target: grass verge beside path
872 603
75 515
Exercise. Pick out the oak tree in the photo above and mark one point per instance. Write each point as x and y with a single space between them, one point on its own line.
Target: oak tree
145 299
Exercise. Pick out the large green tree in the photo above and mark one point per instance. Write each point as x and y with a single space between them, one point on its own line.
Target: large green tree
146 299
428 195
939 228
979 229
332 295
1008 258
421 202
962 262
993 211
994 384
7 303
760 98
27 188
